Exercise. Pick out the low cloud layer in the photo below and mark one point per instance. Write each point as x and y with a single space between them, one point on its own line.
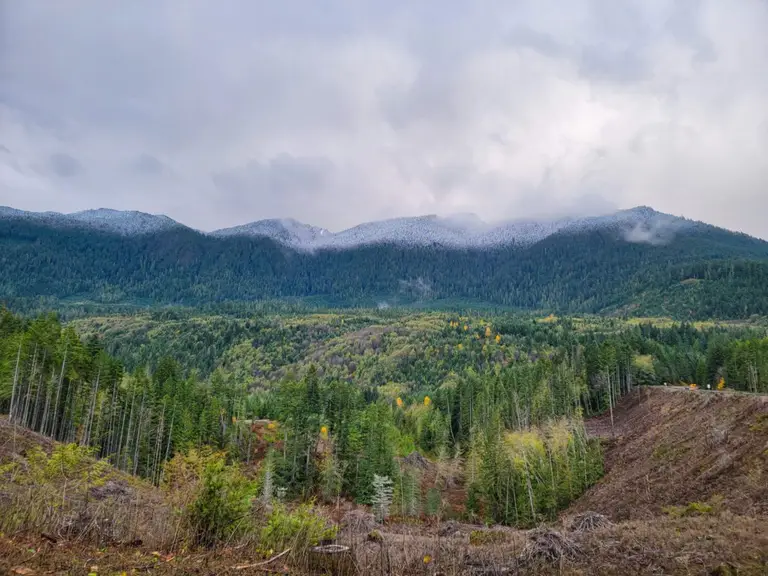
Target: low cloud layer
336 112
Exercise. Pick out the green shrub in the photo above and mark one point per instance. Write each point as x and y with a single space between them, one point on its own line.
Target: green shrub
221 507
473 504
296 529
483 537
67 462
709 508
434 505
760 424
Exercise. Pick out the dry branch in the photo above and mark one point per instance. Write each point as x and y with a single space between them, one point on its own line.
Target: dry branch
265 563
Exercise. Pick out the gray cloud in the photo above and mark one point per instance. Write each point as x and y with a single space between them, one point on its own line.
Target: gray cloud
657 232
602 62
284 186
281 175
525 37
339 112
64 165
148 165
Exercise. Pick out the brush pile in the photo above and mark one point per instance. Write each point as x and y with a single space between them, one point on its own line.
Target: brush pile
549 547
588 522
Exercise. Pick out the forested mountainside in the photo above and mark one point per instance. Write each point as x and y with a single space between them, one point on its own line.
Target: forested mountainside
700 271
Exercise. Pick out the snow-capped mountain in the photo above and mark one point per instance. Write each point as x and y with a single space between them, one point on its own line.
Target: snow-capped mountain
419 230
123 222
284 230
640 224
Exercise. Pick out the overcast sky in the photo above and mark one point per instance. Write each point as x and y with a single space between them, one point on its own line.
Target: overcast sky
336 112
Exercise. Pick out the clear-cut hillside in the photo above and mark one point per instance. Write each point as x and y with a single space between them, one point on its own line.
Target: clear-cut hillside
671 446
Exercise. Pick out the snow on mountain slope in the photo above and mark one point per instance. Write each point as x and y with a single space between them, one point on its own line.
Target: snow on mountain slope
420 230
125 223
640 224
284 230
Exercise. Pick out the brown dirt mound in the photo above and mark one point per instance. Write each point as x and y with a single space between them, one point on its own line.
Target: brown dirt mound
673 447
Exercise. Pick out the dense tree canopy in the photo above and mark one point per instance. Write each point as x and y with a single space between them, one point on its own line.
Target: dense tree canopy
706 272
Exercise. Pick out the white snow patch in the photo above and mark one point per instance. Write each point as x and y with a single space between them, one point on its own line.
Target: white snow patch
284 230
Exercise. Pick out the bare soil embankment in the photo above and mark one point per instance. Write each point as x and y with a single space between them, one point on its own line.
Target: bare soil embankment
674 446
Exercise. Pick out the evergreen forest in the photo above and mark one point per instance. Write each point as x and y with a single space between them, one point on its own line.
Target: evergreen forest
703 273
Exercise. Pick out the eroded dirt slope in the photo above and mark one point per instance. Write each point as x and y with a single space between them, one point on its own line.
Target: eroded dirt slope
673 446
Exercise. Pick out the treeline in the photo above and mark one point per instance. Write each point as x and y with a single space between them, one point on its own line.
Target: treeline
73 391
419 352
703 273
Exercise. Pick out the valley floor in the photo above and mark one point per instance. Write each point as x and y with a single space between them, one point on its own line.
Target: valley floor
685 492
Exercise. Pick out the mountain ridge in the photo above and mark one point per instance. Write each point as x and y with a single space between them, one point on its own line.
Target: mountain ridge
638 262
639 224
122 222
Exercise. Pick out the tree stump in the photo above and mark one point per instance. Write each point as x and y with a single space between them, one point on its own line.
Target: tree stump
332 559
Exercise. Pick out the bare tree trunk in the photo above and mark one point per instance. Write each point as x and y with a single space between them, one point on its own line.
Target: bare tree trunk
67 413
752 371
119 451
89 419
112 423
36 413
530 488
248 449
48 393
54 423
158 447
610 400
99 423
15 383
23 392
138 435
28 399
128 432
168 445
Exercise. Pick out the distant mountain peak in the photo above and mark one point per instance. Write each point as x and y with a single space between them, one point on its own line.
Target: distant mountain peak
123 222
287 231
